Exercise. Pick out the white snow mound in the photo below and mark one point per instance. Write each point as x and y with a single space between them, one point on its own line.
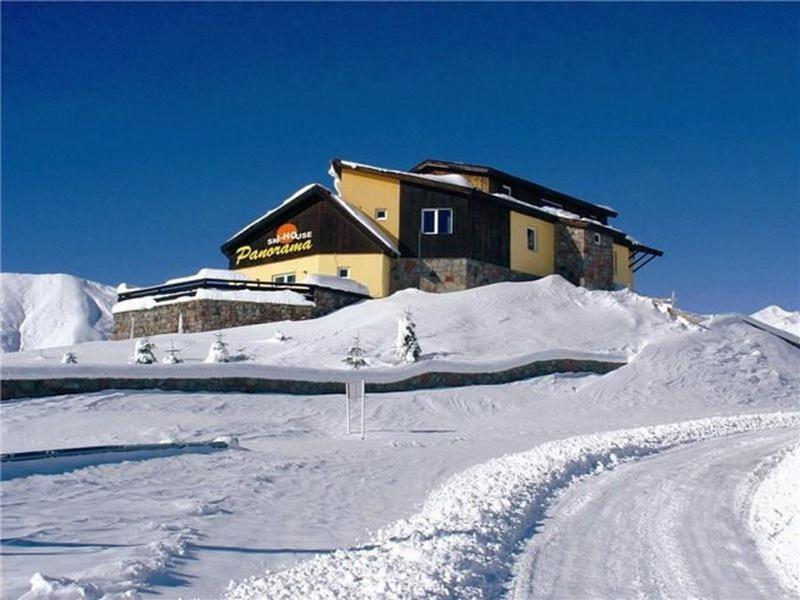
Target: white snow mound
779 318
42 311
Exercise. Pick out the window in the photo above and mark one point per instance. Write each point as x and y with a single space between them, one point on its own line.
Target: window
284 278
381 214
344 272
437 221
506 189
597 239
615 263
532 241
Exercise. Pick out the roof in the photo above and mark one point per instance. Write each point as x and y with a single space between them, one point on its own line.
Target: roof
431 164
303 194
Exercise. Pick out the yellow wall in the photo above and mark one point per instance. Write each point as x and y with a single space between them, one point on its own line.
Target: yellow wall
623 275
368 192
370 269
540 262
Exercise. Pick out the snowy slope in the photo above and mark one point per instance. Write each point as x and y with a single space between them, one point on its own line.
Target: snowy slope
501 324
41 311
779 318
184 526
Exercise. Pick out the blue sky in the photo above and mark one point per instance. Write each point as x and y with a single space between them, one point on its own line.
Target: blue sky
138 137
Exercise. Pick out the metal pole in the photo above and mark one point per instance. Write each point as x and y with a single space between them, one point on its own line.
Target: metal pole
347 410
363 403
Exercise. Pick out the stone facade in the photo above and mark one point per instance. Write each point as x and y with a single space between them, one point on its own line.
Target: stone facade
448 274
211 315
579 257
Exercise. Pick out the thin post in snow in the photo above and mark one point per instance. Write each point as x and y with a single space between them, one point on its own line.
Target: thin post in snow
180 322
133 325
347 412
363 406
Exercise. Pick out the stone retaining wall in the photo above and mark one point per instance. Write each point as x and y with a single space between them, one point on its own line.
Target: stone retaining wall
11 389
211 315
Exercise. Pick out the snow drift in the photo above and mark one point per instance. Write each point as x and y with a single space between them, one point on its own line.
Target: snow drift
460 544
776 317
42 311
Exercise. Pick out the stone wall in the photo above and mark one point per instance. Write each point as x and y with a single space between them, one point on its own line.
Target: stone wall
11 389
212 315
448 274
579 259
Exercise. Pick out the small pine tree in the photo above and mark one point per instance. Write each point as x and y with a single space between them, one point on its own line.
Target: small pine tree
407 346
69 358
355 355
171 357
143 352
218 352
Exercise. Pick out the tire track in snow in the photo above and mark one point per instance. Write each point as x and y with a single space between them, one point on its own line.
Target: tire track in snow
666 526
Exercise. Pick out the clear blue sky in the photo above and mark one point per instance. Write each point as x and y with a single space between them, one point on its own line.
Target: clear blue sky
138 137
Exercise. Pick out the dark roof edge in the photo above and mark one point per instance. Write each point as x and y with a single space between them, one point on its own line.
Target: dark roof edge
484 170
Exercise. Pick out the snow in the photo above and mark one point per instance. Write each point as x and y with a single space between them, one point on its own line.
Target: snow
460 543
42 311
450 178
234 295
779 318
208 273
266 215
337 283
488 329
299 487
774 516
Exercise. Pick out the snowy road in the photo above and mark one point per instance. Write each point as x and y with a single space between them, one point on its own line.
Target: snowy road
669 526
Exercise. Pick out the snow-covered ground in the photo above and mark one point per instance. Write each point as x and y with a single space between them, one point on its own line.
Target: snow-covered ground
780 318
40 311
774 515
299 488
495 326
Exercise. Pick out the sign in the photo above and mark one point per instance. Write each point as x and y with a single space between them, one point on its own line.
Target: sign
287 240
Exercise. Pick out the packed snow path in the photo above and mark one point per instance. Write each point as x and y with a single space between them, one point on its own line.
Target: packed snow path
673 525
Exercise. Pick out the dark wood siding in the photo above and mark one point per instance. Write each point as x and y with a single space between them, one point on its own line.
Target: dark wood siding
332 231
480 228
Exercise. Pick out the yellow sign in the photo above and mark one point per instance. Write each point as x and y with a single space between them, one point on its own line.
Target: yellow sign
287 240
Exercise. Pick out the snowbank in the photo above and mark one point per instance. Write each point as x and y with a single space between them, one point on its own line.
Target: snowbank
263 297
774 517
42 311
337 283
461 541
779 318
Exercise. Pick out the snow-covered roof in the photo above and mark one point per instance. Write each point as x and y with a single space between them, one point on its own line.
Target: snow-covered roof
266 215
368 223
449 178
372 227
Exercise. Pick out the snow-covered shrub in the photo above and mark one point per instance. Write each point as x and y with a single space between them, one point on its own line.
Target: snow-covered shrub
355 355
69 358
280 336
171 357
218 353
407 346
143 352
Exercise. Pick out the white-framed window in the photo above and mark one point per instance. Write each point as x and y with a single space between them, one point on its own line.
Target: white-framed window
615 263
343 272
533 241
597 238
381 214
436 221
506 189
284 278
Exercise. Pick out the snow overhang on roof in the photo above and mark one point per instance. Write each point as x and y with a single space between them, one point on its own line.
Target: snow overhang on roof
298 197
